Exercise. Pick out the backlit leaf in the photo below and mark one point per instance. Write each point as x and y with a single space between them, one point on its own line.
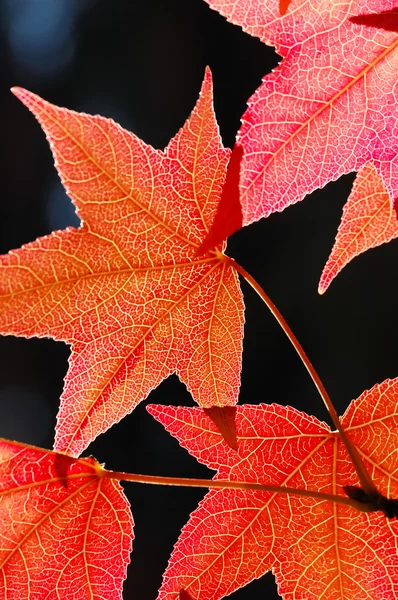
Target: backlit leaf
368 220
65 531
127 289
316 548
330 107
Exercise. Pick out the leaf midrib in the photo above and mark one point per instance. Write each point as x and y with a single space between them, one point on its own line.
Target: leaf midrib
127 271
263 508
37 525
126 194
319 111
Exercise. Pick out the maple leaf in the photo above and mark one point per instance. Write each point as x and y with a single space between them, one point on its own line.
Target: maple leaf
127 290
65 530
316 548
368 221
328 108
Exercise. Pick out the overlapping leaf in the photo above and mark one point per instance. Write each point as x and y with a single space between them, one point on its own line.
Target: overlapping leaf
387 19
368 220
65 531
316 548
329 107
127 290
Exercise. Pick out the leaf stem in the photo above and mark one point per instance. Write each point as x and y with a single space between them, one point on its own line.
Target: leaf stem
235 485
363 475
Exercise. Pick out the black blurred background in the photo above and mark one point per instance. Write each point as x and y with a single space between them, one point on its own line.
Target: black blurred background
142 63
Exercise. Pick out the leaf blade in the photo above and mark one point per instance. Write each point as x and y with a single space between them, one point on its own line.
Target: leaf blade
235 536
127 289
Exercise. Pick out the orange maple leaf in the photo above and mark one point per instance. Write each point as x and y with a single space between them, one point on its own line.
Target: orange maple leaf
65 530
315 547
127 289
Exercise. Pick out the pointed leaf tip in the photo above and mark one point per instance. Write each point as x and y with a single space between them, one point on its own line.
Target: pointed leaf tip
28 99
388 20
19 92
208 73
207 81
224 418
229 216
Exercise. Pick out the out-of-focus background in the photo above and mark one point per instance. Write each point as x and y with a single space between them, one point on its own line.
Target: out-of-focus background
142 63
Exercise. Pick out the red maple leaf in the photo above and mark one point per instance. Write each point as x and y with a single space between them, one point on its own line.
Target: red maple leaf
316 548
127 289
368 220
65 529
328 109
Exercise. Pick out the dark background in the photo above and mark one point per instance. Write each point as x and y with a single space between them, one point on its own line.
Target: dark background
142 63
